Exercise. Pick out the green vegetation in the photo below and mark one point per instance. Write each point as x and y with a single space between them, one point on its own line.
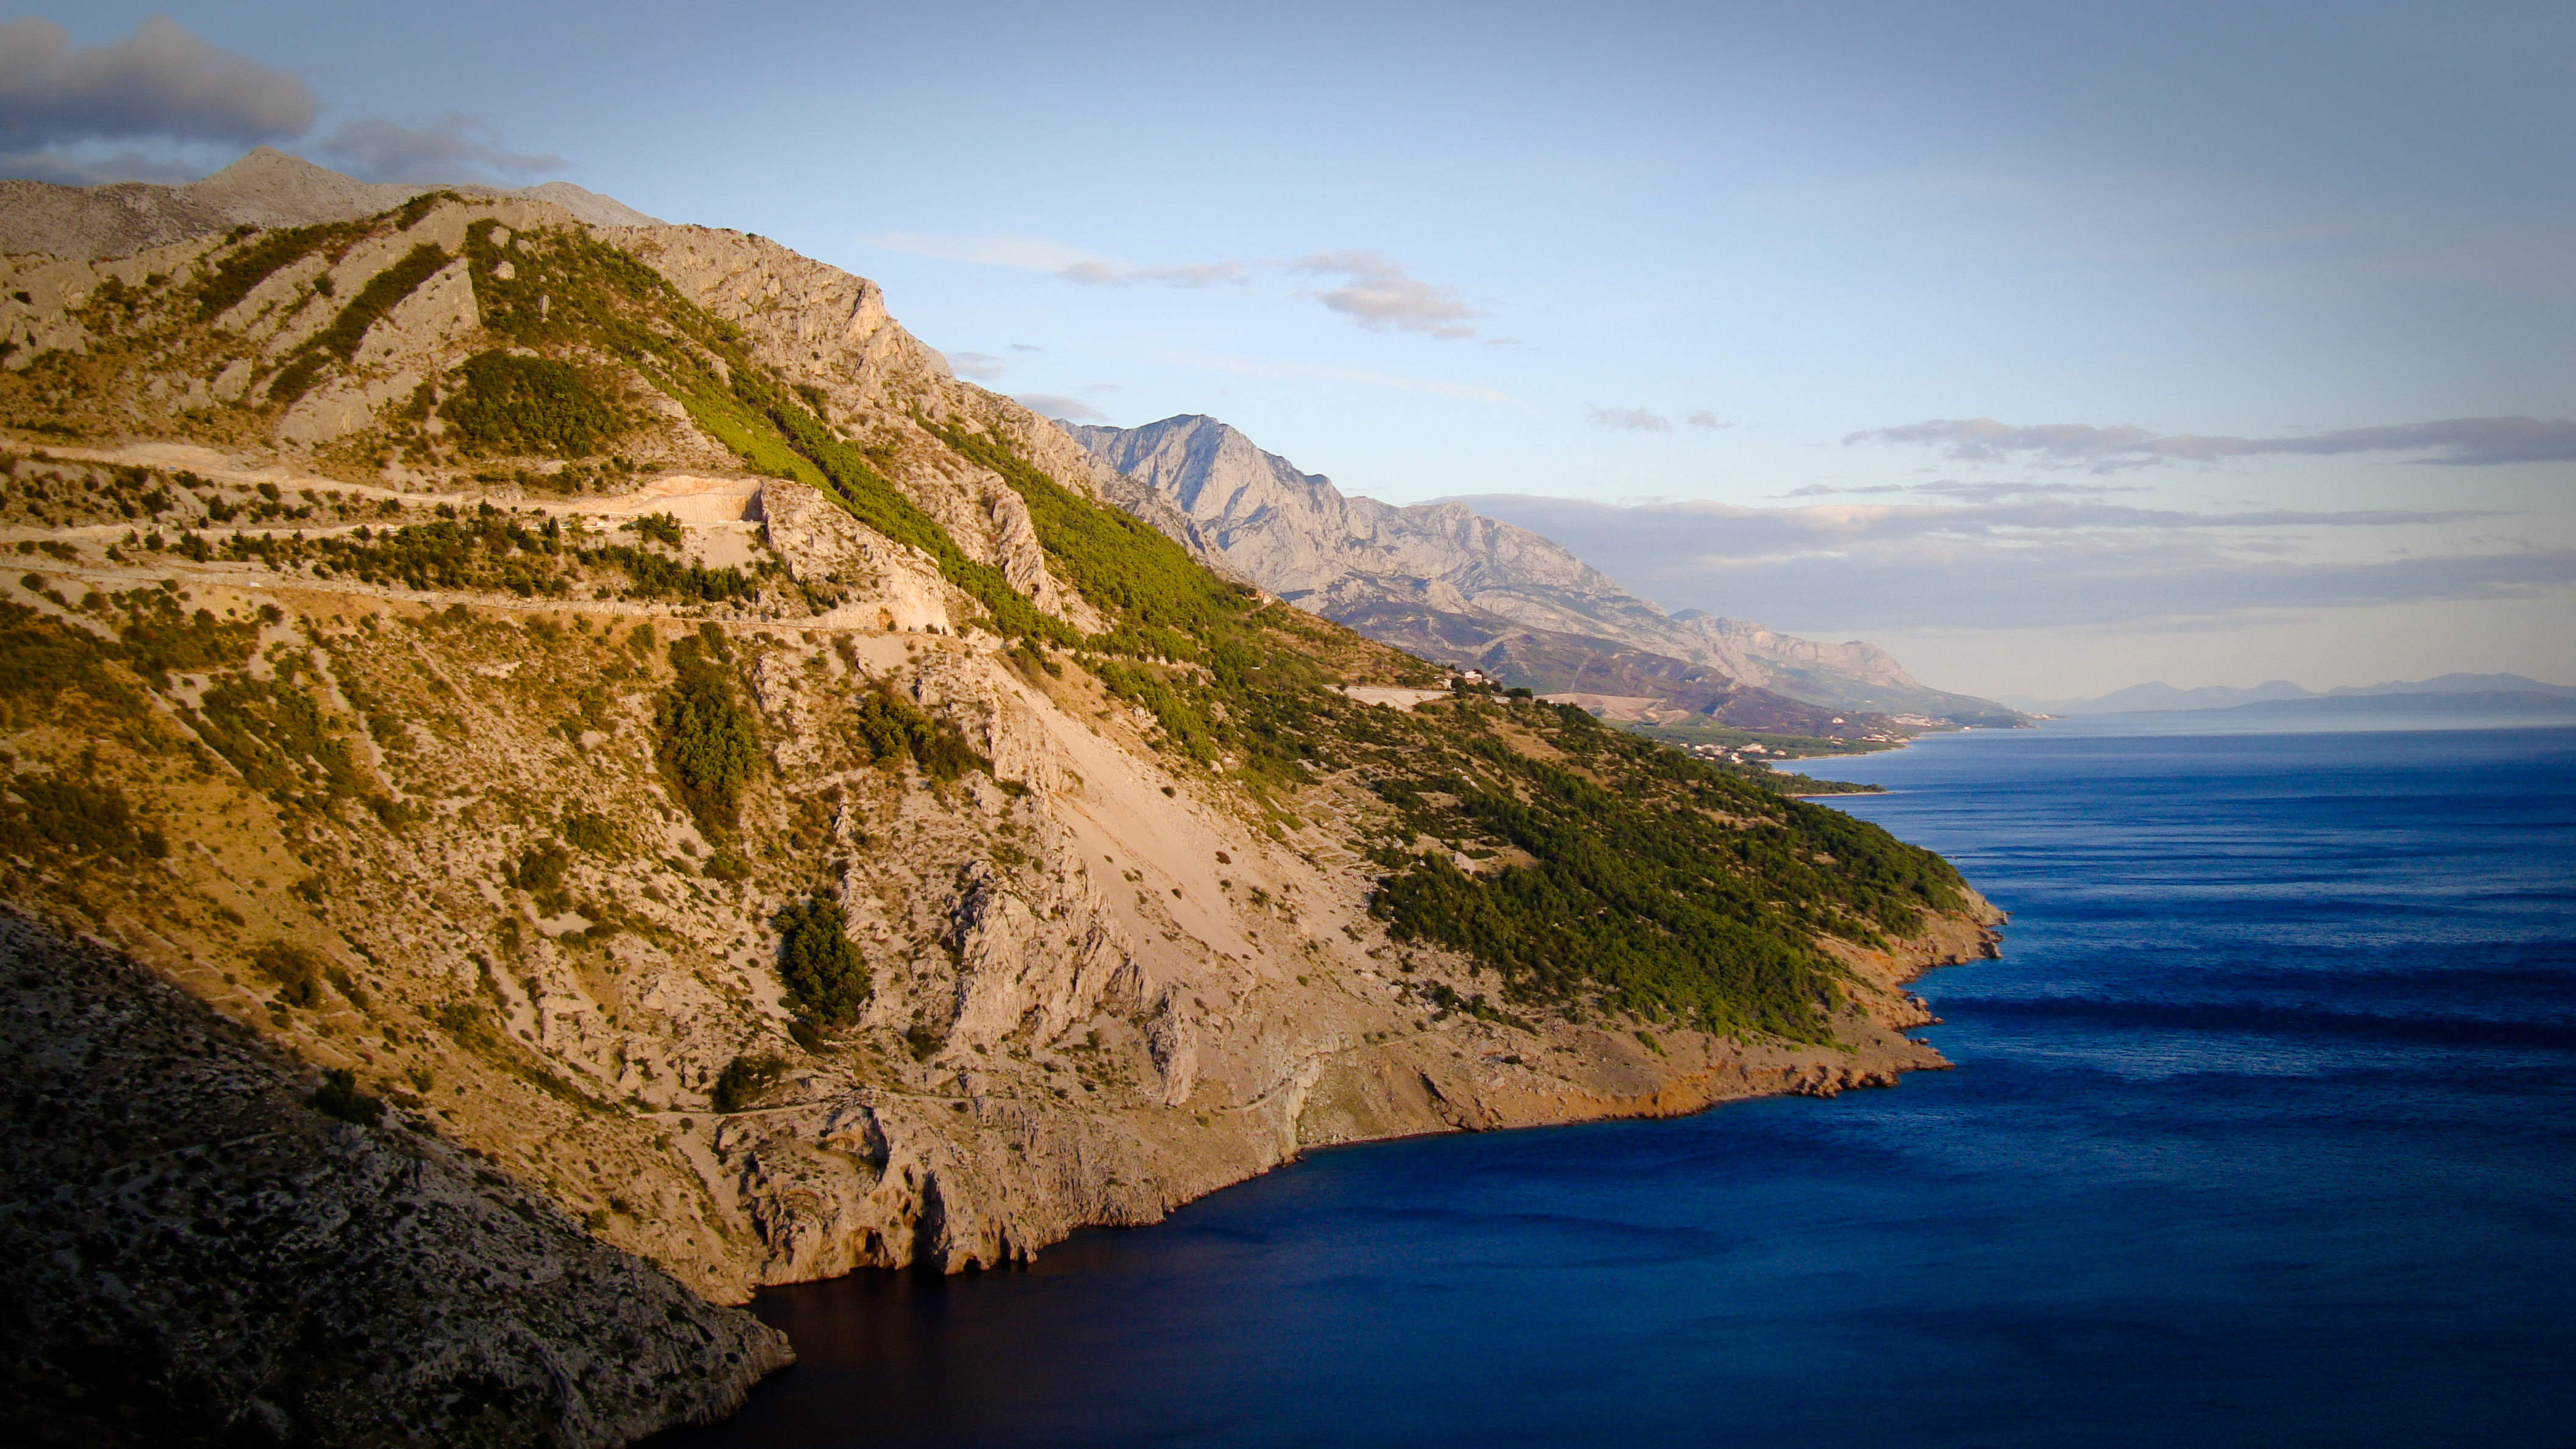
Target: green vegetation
277 737
296 971
709 741
529 406
1665 886
48 814
338 1096
745 1080
235 276
823 970
341 338
590 832
890 727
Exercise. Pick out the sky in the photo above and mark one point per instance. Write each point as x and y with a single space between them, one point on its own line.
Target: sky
2052 348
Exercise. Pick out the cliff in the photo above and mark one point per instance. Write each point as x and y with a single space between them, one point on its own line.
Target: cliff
612 693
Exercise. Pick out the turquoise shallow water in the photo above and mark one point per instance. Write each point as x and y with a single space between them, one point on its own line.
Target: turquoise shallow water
2260 1134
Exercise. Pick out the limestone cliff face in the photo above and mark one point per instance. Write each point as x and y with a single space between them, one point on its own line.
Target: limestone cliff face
1371 565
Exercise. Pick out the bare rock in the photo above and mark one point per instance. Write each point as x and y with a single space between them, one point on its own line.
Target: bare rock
192 1254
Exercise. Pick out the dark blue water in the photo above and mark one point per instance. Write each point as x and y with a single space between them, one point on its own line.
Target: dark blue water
2261 1134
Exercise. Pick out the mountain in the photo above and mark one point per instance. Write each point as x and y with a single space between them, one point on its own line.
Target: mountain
2478 702
266 188
2161 696
553 775
1445 582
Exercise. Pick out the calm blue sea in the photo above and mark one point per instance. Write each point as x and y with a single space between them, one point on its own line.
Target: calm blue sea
2263 1132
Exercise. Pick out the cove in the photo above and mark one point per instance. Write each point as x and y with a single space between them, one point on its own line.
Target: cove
2260 1134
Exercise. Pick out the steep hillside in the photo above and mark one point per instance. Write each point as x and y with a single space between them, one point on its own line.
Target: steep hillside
1441 580
615 696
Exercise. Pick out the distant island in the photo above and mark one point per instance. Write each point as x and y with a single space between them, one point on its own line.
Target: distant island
2507 693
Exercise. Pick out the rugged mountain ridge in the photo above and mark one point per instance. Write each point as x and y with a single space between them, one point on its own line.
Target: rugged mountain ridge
266 188
616 696
1440 579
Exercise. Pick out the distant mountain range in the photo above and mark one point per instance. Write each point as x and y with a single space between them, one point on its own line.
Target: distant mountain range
2161 696
1450 584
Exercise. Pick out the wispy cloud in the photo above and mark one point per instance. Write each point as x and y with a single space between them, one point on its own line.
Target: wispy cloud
1375 290
1029 253
1202 274
1380 293
1632 420
2461 442
1070 409
1393 382
1707 418
2027 562
447 147
981 366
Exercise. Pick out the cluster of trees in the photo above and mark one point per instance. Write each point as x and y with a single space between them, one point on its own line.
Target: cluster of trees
709 742
1665 886
506 403
890 727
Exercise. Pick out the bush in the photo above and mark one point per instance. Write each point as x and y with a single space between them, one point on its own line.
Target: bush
590 832
339 1096
823 970
890 727
709 741
295 970
744 1080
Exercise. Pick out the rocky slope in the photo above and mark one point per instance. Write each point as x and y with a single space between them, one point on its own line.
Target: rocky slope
193 1253
614 694
1438 578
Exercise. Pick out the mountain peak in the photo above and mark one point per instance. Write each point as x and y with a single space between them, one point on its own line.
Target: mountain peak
1445 581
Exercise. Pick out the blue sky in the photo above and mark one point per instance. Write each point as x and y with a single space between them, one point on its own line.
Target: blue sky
2054 348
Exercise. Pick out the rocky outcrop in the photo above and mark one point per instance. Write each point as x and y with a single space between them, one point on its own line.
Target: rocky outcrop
192 1253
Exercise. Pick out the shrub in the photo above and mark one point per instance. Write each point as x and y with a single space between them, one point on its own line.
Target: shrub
591 832
339 1096
744 1080
709 742
295 970
890 727
823 970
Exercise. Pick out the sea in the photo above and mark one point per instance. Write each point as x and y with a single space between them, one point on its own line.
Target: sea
2261 1132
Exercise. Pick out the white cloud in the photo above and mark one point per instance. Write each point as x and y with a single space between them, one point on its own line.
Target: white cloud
1070 409
2045 561
1257 367
1202 274
2456 441
1381 294
981 366
1633 420
1707 418
1376 291
1029 253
